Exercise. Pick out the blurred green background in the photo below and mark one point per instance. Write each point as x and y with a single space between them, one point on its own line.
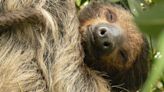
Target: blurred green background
149 16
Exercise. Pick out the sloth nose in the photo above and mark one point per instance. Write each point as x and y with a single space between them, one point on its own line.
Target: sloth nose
106 37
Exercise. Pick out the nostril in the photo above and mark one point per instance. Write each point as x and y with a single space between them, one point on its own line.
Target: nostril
107 44
102 32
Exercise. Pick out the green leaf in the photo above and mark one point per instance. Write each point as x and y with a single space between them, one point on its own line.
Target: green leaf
135 6
114 0
152 21
84 1
157 68
78 3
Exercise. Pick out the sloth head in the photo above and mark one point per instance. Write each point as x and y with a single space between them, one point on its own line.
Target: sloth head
110 37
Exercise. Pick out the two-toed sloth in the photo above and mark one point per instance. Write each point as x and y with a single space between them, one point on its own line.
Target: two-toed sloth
113 45
41 51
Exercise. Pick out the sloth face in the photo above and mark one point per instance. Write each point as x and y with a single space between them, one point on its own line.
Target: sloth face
110 37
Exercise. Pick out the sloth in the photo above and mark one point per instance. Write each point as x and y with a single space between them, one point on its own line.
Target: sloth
114 46
41 50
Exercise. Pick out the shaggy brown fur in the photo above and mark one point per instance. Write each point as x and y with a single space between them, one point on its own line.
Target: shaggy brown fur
40 49
127 64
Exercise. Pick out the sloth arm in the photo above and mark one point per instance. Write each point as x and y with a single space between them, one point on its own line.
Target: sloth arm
70 74
12 18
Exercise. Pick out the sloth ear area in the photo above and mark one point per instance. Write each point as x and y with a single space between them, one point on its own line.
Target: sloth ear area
141 66
143 57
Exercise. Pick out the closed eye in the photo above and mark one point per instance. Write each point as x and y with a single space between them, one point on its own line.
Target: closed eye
111 16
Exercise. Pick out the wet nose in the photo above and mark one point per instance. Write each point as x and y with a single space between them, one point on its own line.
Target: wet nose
106 37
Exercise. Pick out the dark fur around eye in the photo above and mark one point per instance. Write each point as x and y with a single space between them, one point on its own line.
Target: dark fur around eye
111 16
123 55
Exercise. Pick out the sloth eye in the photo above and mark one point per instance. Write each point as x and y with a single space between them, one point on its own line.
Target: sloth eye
123 55
111 16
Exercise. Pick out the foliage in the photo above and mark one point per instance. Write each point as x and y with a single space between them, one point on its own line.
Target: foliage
81 3
149 16
151 22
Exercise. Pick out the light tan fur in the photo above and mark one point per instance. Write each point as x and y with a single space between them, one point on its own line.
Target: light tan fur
43 54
